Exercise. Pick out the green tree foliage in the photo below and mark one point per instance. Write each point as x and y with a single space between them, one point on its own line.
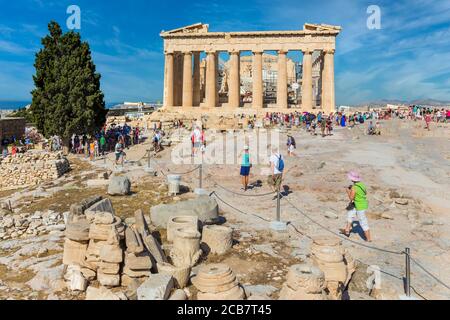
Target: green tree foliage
23 113
67 98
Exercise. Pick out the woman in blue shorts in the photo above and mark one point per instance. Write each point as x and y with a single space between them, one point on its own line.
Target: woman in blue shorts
245 168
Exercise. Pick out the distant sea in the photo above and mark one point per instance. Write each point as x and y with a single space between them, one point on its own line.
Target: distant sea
14 105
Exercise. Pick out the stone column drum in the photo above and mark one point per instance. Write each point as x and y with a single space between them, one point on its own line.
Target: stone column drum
186 247
217 239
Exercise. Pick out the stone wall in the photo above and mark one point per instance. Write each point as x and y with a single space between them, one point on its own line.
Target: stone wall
12 127
31 169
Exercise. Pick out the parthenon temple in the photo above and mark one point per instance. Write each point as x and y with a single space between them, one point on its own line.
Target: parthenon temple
194 81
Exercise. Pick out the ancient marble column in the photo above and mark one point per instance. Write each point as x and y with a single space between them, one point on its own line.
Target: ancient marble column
234 85
168 99
196 97
211 84
187 80
217 79
307 85
328 94
282 86
258 86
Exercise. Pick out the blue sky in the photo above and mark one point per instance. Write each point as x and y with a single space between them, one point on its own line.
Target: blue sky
409 58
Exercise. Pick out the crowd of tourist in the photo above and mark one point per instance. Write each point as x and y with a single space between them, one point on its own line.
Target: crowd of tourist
105 141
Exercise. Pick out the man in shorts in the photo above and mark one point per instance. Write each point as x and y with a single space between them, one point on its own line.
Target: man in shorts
276 169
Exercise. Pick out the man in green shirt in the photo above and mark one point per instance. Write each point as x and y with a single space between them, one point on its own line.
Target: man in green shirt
357 193
102 145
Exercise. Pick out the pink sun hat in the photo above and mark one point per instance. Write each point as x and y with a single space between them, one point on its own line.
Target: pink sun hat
354 176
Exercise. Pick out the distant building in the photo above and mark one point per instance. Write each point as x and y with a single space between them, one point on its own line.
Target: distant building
12 127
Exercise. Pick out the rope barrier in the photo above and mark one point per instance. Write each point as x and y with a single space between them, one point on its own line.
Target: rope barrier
236 209
242 194
429 273
340 236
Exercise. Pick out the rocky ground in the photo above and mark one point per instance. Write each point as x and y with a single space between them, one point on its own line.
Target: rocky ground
406 170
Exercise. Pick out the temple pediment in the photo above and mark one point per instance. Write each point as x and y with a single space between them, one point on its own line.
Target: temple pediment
320 27
193 28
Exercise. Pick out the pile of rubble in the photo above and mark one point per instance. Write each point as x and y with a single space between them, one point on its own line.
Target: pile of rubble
31 168
103 255
24 225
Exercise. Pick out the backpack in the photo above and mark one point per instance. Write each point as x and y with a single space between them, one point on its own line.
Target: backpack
280 166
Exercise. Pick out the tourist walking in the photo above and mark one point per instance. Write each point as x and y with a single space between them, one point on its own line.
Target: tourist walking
245 168
357 193
118 150
196 138
291 145
276 170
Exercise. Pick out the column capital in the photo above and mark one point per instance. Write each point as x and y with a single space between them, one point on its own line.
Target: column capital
187 52
209 52
257 51
234 51
329 51
307 51
283 51
169 52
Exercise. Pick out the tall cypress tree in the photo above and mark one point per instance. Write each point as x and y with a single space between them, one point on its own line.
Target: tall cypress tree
67 98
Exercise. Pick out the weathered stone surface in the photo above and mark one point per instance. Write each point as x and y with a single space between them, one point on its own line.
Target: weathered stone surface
111 253
158 287
77 281
154 248
119 186
74 252
133 241
108 268
141 224
104 205
217 239
204 208
186 248
78 231
108 280
178 222
79 208
101 293
104 218
48 280
102 231
141 262
179 295
136 273
180 274
214 279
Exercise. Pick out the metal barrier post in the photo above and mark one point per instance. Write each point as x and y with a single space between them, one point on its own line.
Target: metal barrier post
278 225
278 205
408 273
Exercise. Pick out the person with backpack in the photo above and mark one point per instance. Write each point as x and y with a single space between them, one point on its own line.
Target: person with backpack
276 169
291 145
357 193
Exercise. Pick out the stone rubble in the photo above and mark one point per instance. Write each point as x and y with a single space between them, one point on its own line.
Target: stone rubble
31 169
217 282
